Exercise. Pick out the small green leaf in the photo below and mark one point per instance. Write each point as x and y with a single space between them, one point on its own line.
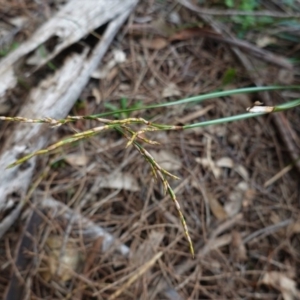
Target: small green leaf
229 3
229 76
123 103
112 108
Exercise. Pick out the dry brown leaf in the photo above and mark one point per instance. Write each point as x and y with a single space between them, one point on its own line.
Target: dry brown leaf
155 43
234 139
209 163
238 249
203 161
235 199
294 228
167 160
284 284
264 41
225 162
124 87
109 68
76 159
248 197
216 243
275 219
96 93
19 21
162 27
112 74
241 170
119 181
189 33
216 208
152 82
147 249
170 90
61 265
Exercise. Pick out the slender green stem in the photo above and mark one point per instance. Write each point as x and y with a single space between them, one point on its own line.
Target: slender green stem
198 99
223 120
278 108
287 105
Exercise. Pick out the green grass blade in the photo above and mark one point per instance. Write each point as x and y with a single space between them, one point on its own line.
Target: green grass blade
223 120
278 108
287 105
198 99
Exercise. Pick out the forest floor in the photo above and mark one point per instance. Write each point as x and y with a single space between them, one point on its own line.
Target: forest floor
244 223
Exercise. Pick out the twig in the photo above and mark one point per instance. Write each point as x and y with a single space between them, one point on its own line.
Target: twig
92 254
90 228
223 36
252 49
267 230
136 275
188 264
278 175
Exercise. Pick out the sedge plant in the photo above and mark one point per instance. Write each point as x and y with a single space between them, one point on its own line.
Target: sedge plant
128 128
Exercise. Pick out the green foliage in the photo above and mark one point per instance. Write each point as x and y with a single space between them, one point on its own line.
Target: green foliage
58 164
292 28
229 76
80 104
112 108
229 3
245 23
120 112
288 2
